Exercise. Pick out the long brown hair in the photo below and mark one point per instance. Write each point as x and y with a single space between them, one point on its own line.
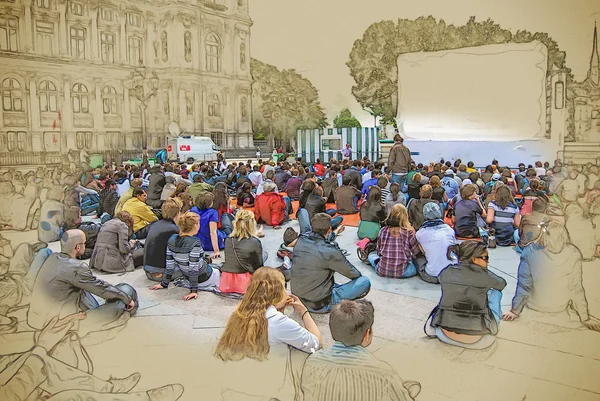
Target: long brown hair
221 196
246 333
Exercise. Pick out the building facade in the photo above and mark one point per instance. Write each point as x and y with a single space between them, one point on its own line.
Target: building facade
81 74
587 100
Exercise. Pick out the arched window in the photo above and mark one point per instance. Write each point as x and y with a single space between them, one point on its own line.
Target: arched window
165 46
243 56
79 98
213 53
109 100
187 45
48 97
12 95
244 108
214 106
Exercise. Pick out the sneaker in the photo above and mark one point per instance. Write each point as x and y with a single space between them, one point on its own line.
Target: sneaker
172 392
125 385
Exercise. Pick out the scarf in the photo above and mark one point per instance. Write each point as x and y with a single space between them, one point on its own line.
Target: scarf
432 223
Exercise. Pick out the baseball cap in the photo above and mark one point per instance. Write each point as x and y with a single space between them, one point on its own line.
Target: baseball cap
449 172
496 177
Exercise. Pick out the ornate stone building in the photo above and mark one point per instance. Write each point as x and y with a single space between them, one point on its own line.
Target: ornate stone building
81 75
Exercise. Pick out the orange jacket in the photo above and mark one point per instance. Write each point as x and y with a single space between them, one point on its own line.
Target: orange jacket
270 207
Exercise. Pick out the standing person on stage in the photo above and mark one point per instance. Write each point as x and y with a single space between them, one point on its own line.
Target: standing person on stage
347 152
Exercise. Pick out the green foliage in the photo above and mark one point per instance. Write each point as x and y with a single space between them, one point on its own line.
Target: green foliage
346 120
373 58
283 101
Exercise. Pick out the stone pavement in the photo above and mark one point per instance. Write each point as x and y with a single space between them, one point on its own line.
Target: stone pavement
537 357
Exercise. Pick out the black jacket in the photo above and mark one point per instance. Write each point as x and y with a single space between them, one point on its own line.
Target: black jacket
415 211
374 213
155 248
155 187
315 204
243 256
356 177
108 201
313 266
329 186
463 308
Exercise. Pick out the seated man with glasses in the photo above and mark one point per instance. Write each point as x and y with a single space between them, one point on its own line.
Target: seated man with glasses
64 286
469 311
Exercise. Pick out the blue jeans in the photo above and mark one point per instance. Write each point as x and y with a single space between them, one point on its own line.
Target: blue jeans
351 290
410 271
227 223
517 238
35 266
494 303
288 207
304 221
400 178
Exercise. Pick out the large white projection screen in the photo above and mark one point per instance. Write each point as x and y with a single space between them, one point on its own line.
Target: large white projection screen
494 93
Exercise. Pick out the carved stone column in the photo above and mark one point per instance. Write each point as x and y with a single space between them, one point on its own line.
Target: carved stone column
63 36
95 48
126 117
198 110
67 112
34 109
26 31
123 38
99 109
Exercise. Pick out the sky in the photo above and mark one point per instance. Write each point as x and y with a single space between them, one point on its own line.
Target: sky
315 37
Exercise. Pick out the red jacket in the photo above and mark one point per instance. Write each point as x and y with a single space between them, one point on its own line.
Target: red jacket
319 169
270 207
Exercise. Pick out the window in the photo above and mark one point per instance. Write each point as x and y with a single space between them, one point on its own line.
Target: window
12 96
213 53
45 38
165 46
214 108
217 138
76 8
113 140
84 140
78 43
9 27
106 14
109 100
136 57
43 3
79 99
559 89
107 47
134 20
244 107
187 45
17 141
48 95
189 103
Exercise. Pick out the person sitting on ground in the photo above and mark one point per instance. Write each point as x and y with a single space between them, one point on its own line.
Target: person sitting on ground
414 187
375 174
313 266
466 213
550 277
396 246
270 207
108 200
434 237
463 172
355 175
245 254
347 367
157 181
316 203
64 286
243 178
282 177
245 197
185 255
372 214
487 174
155 249
258 323
529 175
531 225
169 188
450 185
395 197
319 168
438 193
293 185
469 310
114 251
415 206
90 229
330 185
199 187
384 185
142 214
135 183
211 238
531 193
269 176
255 176
347 197
503 216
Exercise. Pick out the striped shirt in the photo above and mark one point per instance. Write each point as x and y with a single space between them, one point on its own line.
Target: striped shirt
503 215
186 254
343 373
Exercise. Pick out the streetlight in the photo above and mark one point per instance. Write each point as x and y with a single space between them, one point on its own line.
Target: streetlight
140 77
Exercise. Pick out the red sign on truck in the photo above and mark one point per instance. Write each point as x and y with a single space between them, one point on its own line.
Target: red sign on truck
184 148
170 148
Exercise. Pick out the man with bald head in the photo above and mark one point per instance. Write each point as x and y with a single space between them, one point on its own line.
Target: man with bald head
64 285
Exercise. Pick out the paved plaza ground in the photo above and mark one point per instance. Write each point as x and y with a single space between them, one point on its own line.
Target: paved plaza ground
537 357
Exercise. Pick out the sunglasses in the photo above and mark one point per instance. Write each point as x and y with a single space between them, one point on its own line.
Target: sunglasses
486 258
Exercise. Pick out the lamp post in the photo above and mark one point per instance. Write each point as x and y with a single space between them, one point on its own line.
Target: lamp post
140 76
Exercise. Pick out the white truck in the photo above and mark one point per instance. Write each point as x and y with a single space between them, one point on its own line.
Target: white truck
190 149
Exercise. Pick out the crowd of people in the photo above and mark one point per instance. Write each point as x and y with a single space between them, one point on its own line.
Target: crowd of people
435 221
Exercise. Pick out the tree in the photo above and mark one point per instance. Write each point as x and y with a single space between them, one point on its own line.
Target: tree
283 102
346 120
373 59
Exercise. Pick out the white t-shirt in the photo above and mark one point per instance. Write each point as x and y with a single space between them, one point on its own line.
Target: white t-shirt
435 242
283 330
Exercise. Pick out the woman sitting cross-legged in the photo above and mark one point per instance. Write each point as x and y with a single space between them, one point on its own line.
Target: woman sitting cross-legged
258 322
244 196
469 311
113 252
244 254
372 215
210 236
185 253
396 246
503 216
